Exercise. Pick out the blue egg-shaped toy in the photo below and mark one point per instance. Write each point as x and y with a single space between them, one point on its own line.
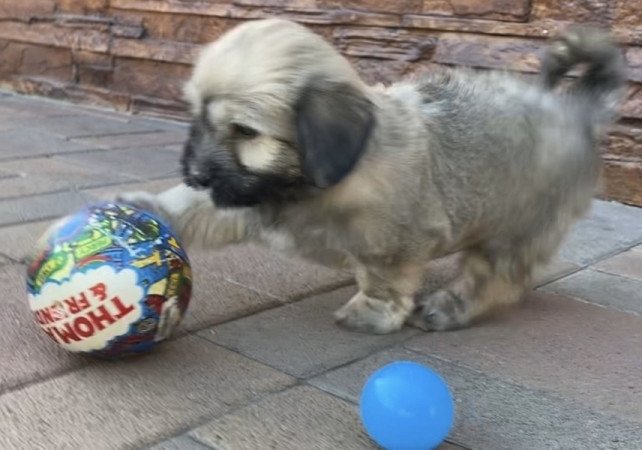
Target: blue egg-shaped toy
406 406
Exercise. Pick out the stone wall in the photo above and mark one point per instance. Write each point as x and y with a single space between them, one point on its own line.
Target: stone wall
135 54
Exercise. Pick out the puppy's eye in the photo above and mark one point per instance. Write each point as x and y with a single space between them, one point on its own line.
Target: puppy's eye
244 131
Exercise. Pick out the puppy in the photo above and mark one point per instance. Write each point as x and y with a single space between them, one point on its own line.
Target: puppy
290 148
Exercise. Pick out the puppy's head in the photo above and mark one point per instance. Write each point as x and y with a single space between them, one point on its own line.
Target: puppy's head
277 115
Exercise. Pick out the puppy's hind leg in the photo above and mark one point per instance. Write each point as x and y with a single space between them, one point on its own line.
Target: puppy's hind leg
385 299
485 283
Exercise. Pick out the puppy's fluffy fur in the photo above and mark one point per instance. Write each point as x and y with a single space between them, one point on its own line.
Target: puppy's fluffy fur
288 147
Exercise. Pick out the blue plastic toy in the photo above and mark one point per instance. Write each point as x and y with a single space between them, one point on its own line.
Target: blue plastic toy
406 406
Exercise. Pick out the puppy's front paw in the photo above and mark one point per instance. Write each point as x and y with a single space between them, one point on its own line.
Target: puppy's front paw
442 310
140 199
371 315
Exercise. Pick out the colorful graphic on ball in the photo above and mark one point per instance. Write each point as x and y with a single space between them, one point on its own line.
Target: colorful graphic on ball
110 280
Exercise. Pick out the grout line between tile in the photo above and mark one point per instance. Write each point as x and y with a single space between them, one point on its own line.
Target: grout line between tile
10 259
606 272
559 277
184 431
323 290
49 377
590 265
599 305
164 146
198 441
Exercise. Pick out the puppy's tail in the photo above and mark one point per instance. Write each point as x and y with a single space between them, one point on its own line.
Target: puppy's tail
602 83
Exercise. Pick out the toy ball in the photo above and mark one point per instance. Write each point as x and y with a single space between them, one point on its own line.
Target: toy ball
109 281
405 405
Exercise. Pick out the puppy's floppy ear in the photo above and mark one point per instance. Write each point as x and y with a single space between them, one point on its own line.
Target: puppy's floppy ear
333 123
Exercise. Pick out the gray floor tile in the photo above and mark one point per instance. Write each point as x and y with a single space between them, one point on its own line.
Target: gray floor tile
40 207
139 163
299 418
610 227
301 338
601 288
161 124
26 353
287 278
17 108
135 402
27 142
17 241
572 349
81 125
216 300
42 175
154 186
627 264
153 138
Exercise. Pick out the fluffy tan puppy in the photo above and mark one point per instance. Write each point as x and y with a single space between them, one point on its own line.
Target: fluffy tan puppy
290 148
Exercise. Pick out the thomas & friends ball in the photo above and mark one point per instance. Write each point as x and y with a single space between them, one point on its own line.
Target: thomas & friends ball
110 280
405 405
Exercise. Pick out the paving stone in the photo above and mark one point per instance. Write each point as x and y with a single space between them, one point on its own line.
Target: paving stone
19 107
81 125
497 414
287 278
155 123
27 354
179 443
134 402
601 288
17 241
28 142
140 163
627 264
572 349
300 418
154 186
159 123
216 300
45 206
301 338
106 113
154 138
610 227
41 175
